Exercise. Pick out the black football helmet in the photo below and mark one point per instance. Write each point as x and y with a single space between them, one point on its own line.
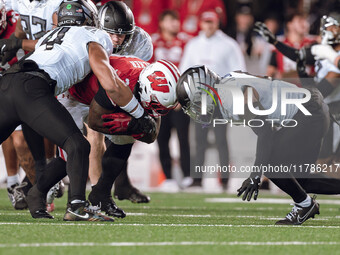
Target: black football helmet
115 17
195 89
77 13
329 37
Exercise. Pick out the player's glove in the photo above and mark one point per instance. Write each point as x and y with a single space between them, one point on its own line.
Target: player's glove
263 30
324 52
122 123
249 187
116 122
301 63
9 48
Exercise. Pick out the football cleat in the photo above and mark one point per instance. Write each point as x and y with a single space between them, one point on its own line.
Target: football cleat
132 194
55 192
17 196
41 214
106 204
299 214
85 212
37 203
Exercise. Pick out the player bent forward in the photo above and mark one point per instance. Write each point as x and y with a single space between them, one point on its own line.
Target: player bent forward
275 146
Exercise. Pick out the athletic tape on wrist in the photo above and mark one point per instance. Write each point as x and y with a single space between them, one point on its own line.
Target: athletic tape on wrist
138 112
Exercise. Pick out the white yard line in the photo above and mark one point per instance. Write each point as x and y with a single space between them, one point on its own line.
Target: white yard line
266 201
188 216
133 244
161 225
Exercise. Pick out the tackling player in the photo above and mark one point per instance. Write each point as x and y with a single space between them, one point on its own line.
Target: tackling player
36 18
12 147
28 90
117 19
276 145
154 86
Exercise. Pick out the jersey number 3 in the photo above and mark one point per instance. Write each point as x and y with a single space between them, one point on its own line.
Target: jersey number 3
57 40
159 82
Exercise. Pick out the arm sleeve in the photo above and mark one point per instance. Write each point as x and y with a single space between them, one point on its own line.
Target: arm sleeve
273 61
293 54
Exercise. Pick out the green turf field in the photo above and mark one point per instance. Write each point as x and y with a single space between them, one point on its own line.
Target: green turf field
174 224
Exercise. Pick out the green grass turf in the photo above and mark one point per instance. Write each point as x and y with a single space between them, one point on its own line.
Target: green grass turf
163 220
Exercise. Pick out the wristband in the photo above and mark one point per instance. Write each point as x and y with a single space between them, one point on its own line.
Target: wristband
129 108
138 112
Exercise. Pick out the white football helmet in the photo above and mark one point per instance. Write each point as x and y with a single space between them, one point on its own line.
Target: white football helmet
157 87
3 17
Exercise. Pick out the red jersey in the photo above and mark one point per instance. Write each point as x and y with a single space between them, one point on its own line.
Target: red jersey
127 68
169 50
146 13
11 18
190 11
284 64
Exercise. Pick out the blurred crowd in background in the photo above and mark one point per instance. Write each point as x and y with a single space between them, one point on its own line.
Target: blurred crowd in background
219 34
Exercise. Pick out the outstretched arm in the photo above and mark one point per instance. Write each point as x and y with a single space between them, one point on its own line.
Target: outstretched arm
286 50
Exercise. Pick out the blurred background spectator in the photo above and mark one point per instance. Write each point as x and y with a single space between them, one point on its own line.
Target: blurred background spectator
222 54
168 44
296 35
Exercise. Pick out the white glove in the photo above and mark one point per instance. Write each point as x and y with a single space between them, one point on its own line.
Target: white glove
321 51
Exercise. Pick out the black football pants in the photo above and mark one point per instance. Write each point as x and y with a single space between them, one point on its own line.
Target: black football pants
28 99
298 146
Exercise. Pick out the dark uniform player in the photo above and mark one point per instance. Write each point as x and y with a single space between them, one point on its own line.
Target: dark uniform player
276 145
28 90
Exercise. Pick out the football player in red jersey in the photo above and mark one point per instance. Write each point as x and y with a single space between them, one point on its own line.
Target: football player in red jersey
128 39
154 85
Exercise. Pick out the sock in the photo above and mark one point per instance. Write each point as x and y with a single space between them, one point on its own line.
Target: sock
12 180
305 203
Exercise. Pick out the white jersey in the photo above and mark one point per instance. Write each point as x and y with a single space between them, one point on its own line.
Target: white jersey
62 53
237 81
322 68
36 16
140 46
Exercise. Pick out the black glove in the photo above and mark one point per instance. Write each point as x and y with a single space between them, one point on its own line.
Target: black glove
263 30
250 186
144 125
9 48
